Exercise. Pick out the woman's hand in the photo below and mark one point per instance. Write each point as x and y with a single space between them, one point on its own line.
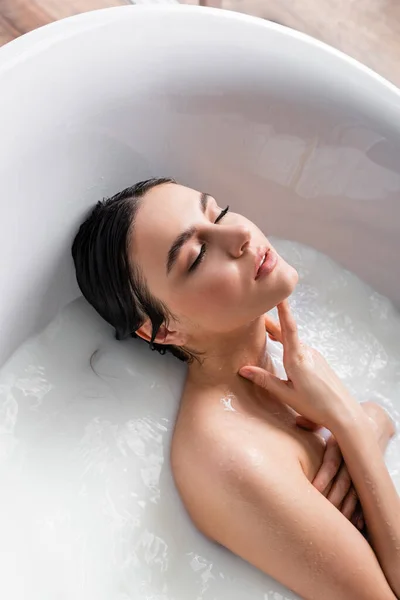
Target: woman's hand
333 479
334 482
312 389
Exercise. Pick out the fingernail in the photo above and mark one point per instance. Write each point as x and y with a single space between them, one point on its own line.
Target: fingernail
247 373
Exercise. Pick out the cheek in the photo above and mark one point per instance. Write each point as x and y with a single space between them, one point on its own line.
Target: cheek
211 295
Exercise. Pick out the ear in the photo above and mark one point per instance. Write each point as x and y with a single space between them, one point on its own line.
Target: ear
164 335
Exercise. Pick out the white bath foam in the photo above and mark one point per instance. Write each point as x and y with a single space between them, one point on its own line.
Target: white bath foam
88 508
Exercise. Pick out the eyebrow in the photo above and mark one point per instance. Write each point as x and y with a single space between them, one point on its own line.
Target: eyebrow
183 237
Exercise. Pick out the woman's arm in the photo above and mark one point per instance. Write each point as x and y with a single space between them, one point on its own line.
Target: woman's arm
376 491
264 509
314 391
333 479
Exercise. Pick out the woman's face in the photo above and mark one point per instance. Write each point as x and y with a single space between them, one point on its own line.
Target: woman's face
203 264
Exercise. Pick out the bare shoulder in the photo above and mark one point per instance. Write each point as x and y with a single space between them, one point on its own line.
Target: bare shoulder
212 448
251 496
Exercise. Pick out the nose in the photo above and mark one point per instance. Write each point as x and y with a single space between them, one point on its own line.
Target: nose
235 239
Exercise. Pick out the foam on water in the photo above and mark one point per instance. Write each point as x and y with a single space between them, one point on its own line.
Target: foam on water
88 508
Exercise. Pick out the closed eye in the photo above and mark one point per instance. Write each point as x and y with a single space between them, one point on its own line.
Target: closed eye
203 248
221 214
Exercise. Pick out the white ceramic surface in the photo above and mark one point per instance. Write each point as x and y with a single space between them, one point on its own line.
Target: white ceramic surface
302 139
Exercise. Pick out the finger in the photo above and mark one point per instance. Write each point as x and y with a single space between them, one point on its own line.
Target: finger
273 338
330 465
277 387
305 423
340 487
349 503
290 337
326 491
273 328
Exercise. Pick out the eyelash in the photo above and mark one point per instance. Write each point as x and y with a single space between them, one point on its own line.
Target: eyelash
202 252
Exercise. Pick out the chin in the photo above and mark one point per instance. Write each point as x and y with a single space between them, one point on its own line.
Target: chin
284 287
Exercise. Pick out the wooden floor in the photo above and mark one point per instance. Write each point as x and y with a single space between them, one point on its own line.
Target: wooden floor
368 30
19 16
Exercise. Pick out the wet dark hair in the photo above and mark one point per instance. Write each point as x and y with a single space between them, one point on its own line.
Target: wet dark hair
114 287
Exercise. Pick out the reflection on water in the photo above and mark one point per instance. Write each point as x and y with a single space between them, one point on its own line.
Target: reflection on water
88 508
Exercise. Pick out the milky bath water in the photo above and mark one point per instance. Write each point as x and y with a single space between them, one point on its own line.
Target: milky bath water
88 508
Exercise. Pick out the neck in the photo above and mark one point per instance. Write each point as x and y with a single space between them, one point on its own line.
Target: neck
223 355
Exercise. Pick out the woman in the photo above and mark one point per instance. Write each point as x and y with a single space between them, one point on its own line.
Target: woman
167 264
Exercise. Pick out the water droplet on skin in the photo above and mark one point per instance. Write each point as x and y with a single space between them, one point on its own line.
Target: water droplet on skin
227 403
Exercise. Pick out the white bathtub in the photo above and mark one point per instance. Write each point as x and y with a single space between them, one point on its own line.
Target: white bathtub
301 138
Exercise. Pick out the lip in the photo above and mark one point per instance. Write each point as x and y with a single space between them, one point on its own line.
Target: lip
269 263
